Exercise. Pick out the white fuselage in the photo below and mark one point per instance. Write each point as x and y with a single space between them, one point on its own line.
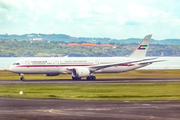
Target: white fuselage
81 67
61 65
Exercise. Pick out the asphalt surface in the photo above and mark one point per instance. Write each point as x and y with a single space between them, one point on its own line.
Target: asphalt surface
61 81
47 109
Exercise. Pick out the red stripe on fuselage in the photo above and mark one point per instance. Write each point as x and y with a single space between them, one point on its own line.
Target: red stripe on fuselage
67 65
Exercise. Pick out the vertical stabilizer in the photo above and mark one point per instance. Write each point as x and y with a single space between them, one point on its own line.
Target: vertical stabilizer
140 51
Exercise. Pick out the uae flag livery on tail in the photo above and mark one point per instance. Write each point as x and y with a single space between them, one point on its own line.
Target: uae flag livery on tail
140 51
142 47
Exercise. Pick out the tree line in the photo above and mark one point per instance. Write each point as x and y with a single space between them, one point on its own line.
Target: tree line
14 48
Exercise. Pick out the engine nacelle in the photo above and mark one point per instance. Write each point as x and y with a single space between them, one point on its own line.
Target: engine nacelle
80 72
52 74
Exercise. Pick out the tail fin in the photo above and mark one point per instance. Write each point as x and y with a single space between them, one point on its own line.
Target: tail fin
140 51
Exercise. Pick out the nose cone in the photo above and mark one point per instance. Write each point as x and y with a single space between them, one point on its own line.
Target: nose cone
11 68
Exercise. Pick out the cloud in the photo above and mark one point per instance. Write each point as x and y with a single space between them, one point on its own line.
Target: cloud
137 11
104 9
91 18
145 14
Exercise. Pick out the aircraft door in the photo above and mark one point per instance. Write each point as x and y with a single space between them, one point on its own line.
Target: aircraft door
27 64
57 63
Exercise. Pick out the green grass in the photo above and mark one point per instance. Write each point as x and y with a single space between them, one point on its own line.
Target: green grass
7 75
100 91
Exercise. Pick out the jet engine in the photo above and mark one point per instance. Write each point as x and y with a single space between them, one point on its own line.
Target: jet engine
80 72
52 74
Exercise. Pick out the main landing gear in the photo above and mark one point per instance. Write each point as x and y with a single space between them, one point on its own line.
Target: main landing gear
22 77
91 78
87 78
76 78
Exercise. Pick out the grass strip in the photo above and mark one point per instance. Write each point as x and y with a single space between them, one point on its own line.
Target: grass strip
98 91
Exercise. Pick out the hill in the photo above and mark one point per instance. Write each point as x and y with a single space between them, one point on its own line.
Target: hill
15 48
68 39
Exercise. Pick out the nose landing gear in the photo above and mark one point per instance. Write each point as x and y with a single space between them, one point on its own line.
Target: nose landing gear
22 77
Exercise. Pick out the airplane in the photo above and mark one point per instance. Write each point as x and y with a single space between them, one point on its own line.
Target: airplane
81 67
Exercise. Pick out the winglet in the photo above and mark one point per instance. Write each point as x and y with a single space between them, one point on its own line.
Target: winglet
140 51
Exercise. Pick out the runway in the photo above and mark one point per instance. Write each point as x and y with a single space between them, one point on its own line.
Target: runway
46 109
69 81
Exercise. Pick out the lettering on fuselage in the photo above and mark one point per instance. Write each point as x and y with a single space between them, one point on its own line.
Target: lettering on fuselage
38 62
74 61
65 62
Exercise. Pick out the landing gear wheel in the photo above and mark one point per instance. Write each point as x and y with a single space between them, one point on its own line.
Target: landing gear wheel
76 78
79 78
22 78
91 78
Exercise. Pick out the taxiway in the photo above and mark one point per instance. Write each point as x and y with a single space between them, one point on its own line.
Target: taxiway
70 81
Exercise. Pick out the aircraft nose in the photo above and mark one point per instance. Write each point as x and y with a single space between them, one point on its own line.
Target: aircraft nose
11 68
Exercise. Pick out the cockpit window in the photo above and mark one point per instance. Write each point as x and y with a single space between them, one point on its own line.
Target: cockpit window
16 64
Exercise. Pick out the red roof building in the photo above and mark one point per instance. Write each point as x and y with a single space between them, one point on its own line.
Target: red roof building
73 44
91 44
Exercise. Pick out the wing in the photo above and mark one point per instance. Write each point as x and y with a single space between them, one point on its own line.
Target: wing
98 67
150 62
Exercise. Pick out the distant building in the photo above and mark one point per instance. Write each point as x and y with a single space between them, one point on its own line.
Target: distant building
73 44
91 44
108 45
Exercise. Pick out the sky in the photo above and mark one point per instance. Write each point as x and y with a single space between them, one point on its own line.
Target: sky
116 19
